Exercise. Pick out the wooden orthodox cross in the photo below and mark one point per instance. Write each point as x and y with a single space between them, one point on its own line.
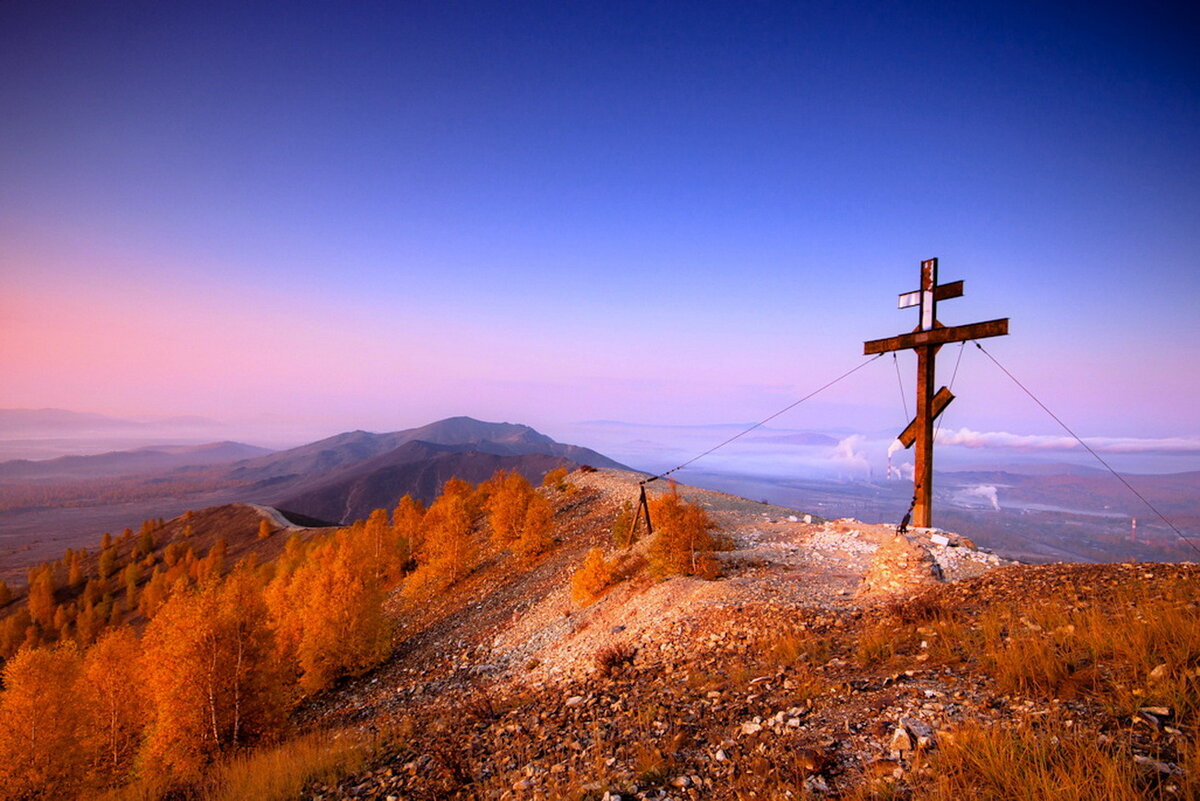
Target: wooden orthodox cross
926 339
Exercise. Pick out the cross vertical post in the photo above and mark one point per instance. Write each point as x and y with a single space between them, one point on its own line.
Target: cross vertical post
926 377
926 340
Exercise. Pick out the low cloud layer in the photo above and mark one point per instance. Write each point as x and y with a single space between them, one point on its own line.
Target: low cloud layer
1002 440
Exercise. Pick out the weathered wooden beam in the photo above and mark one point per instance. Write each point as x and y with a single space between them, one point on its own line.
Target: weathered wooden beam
938 336
940 401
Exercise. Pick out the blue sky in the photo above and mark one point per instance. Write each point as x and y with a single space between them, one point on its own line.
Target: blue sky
334 216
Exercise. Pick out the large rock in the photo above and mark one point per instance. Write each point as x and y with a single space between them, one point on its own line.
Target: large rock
899 565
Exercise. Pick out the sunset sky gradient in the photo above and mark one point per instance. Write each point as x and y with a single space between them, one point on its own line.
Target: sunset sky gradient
327 216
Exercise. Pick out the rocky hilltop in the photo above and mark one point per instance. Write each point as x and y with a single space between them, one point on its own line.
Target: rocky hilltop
829 658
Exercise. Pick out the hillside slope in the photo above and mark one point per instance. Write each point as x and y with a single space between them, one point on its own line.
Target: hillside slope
816 664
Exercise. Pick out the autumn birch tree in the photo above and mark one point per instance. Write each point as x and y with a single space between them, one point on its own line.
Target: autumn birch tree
40 756
114 707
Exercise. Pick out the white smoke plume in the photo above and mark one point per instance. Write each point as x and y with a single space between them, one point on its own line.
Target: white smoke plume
985 491
847 454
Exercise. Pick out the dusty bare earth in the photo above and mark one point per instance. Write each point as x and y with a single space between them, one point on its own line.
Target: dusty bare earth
682 688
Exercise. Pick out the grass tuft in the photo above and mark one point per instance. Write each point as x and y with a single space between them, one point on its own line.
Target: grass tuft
282 771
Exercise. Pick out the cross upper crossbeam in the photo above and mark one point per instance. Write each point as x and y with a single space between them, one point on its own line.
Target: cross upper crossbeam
954 289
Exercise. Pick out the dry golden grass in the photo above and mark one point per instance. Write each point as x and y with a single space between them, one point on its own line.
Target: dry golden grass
882 641
1136 645
1136 651
1054 763
787 649
282 771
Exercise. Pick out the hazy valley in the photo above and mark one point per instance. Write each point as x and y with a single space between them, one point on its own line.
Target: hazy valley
1035 513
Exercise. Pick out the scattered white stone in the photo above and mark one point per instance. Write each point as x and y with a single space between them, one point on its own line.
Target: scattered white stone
901 742
939 539
1165 768
750 727
816 784
575 700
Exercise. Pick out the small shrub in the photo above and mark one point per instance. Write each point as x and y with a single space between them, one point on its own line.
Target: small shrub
650 764
556 479
684 540
622 527
611 659
592 579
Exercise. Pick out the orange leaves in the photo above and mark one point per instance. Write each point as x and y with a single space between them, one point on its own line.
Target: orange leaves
509 494
536 527
518 516
449 551
590 581
556 479
39 752
683 540
407 521
41 597
328 612
114 707
213 682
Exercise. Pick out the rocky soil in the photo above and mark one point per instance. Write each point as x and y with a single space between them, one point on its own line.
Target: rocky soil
809 668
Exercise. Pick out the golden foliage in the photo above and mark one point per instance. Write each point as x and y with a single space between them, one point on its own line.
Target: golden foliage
114 709
39 712
683 541
211 676
593 577
328 612
41 596
556 479
449 549
508 495
408 519
535 537
519 517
